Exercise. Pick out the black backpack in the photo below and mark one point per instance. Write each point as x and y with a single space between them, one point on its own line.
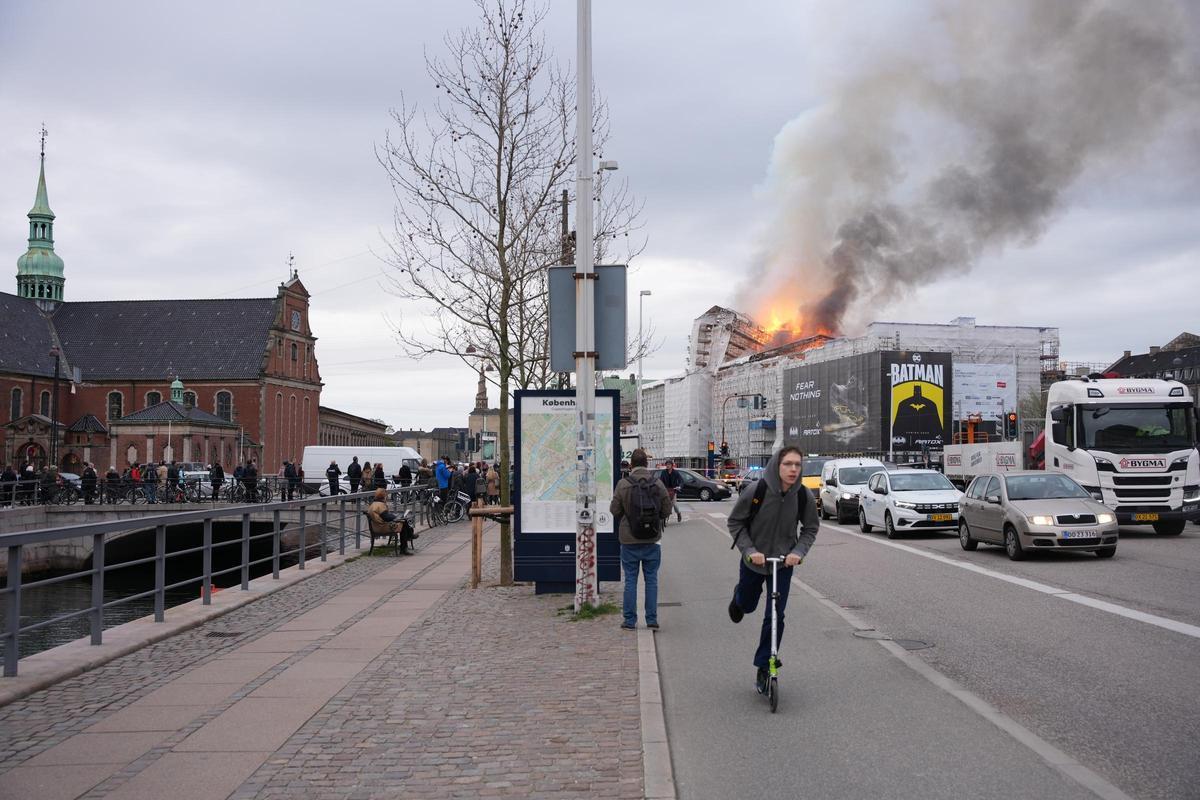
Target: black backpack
643 509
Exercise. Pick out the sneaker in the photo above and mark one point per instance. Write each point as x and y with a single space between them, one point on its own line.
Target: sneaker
679 516
736 612
652 626
760 680
626 626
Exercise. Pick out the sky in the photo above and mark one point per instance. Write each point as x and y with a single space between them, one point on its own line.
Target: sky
193 147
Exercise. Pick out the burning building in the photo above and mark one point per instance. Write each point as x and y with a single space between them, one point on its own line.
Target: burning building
743 399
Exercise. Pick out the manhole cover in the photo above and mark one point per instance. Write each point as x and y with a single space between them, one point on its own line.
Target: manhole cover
913 644
660 605
873 635
224 634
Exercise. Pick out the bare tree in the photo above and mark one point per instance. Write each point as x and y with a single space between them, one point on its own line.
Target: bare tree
476 181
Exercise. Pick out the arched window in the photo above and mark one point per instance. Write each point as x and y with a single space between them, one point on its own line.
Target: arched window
189 399
115 405
14 405
153 398
225 406
294 351
44 405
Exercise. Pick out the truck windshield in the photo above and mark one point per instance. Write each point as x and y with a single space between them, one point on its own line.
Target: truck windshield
1141 428
852 476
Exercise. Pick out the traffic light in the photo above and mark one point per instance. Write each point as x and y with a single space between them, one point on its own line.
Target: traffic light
1010 425
724 449
712 446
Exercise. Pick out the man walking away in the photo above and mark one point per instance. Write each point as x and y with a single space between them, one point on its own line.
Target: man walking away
641 504
674 482
250 481
216 479
354 474
332 474
774 517
405 475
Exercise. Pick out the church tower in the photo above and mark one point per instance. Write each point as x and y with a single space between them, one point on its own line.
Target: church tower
40 270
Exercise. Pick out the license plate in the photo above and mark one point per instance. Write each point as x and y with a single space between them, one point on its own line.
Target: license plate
1145 517
1080 534
940 517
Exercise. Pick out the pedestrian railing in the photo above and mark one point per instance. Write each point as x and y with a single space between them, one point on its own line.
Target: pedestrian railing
333 516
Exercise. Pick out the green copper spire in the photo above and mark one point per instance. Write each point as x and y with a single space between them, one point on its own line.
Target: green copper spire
40 270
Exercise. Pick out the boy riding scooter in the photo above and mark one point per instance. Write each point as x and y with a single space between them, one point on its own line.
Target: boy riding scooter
774 517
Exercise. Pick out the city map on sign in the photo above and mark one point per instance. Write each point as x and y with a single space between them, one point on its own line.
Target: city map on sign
547 457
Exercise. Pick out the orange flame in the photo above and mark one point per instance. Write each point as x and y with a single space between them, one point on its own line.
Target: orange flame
784 323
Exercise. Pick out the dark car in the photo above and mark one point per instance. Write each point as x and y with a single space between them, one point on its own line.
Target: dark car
697 487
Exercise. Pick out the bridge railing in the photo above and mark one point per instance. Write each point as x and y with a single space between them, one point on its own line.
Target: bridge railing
335 527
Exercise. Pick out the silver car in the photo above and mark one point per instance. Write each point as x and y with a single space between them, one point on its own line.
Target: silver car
1035 510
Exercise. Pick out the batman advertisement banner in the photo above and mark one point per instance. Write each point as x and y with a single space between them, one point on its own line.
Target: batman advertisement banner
917 394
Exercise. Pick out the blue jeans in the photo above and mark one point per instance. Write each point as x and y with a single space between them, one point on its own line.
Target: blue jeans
648 557
749 589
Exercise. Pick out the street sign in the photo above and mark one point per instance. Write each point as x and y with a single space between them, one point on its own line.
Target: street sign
609 315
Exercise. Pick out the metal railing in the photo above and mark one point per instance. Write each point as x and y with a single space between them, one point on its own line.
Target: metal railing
125 491
334 529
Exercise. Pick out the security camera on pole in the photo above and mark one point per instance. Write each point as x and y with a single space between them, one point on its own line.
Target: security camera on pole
585 325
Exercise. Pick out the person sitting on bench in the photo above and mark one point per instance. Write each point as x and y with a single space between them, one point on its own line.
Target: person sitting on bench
384 523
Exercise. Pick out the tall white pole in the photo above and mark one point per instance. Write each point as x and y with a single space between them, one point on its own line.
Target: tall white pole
641 352
585 327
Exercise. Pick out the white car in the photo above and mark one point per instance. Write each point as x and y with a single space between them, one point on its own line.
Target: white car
909 500
842 480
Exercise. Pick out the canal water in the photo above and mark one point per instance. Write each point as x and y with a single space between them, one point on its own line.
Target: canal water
46 602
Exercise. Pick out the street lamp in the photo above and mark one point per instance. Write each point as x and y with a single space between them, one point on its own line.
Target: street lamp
54 351
644 293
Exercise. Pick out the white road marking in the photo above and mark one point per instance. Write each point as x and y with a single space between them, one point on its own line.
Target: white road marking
1057 759
1054 591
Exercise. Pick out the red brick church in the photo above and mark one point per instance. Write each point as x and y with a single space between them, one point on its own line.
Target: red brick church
141 380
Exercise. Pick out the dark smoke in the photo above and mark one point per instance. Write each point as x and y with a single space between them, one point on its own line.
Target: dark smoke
922 164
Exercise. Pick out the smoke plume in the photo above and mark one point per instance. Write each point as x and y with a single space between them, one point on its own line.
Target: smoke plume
939 153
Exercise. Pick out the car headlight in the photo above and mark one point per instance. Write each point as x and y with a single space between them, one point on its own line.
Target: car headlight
905 504
1191 493
847 496
1105 519
1041 519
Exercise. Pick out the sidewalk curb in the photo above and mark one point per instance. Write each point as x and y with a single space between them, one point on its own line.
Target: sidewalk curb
658 777
45 669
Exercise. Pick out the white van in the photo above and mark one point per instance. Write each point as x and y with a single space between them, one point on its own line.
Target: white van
842 479
317 457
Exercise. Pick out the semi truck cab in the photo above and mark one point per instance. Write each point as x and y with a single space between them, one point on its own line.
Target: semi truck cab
1131 443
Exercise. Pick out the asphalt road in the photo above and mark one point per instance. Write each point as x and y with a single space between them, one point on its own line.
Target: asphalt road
1072 682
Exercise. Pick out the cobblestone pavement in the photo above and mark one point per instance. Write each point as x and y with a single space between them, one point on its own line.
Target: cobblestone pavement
45 718
494 694
491 693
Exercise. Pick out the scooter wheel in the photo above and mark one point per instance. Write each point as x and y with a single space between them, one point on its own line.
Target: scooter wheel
773 693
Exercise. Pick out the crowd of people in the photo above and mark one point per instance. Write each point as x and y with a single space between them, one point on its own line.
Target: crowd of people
478 480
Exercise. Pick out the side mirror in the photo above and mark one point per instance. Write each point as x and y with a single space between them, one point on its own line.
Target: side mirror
1058 414
832 481
881 490
993 499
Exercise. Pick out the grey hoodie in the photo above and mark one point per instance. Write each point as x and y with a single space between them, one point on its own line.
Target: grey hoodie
778 528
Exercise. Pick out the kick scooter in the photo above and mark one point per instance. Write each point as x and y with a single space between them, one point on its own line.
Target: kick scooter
773 664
